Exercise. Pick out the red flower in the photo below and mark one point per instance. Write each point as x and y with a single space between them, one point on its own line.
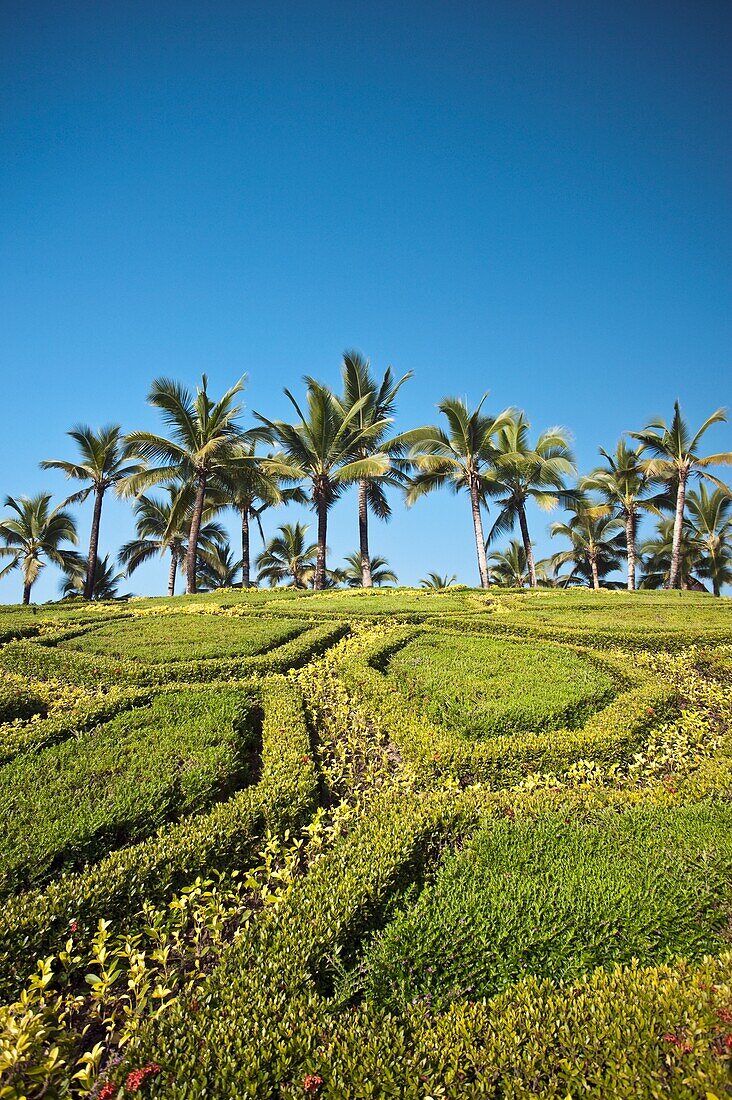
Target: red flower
725 1014
107 1091
312 1083
306 758
137 1077
73 925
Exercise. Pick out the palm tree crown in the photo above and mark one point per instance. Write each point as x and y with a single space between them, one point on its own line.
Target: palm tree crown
106 581
34 533
710 517
596 544
378 569
104 462
288 555
201 433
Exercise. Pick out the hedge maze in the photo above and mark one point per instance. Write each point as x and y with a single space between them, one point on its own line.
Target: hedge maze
367 844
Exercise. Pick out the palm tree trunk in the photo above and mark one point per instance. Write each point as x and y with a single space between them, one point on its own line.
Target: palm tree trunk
595 574
26 593
630 547
322 508
363 535
530 564
172 572
673 577
192 556
91 566
245 551
479 539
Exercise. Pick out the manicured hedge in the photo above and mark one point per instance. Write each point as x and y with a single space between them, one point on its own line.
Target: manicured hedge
226 836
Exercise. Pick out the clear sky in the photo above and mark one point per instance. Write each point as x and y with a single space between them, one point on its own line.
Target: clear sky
529 198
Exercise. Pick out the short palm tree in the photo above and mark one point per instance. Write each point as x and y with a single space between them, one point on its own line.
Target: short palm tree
217 568
202 432
163 527
251 484
625 488
596 544
379 571
288 555
676 460
509 568
33 536
437 581
522 472
710 517
657 555
359 383
104 463
325 449
106 581
461 458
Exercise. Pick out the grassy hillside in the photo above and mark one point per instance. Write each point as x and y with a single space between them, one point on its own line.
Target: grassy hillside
357 843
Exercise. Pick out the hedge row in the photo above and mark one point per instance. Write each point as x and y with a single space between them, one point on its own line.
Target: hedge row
226 836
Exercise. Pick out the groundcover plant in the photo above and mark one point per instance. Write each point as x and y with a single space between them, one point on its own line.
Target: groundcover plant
367 844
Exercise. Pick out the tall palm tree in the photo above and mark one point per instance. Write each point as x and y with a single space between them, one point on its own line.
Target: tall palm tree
359 383
710 517
251 484
461 457
509 568
104 463
657 555
288 554
596 543
202 432
522 472
379 571
325 449
106 581
163 526
676 460
625 488
437 581
36 532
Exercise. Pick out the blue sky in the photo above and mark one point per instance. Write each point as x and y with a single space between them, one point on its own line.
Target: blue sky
532 199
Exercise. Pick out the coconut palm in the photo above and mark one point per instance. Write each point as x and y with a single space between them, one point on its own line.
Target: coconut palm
460 458
359 383
202 432
104 463
625 487
217 568
36 532
163 527
379 571
251 484
657 555
596 544
437 581
288 555
509 568
710 518
325 450
106 581
522 472
676 460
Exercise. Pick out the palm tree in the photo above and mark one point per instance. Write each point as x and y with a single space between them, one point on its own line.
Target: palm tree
624 485
676 461
657 555
202 432
437 581
163 526
462 458
106 581
325 449
596 543
217 568
379 571
710 517
35 532
104 463
251 483
509 568
287 554
359 383
522 472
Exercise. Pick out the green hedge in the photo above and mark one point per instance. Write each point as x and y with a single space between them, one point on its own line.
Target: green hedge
226 836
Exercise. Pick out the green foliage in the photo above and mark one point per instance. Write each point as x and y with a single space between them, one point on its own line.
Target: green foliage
485 687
